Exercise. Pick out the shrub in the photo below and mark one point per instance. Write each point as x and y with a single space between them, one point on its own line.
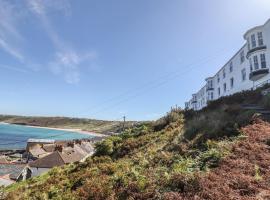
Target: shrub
210 158
171 117
184 183
104 148
266 101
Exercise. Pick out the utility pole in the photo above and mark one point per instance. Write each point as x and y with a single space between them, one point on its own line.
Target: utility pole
124 121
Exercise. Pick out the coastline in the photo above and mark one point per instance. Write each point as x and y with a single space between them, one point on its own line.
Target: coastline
80 131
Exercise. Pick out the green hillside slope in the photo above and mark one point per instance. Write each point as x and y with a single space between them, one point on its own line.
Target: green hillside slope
180 156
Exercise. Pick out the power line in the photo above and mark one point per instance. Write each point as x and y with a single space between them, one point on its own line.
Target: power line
166 76
172 76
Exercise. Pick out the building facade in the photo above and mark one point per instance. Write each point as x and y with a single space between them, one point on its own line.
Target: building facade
247 69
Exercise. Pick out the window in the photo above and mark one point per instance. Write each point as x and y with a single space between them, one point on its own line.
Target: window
244 74
250 64
248 41
218 91
253 41
256 63
231 67
212 96
210 84
260 39
218 79
263 61
224 73
232 82
224 87
242 56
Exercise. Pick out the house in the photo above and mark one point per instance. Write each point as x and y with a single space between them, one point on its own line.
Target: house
62 156
10 173
246 70
3 160
31 143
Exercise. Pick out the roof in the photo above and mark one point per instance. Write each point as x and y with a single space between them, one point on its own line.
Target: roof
37 151
15 175
5 182
10 169
49 147
256 27
3 160
41 140
49 161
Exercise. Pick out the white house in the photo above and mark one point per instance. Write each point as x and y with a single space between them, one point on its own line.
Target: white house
247 69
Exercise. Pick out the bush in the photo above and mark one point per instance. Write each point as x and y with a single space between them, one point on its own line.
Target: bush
184 183
210 159
266 101
171 117
104 148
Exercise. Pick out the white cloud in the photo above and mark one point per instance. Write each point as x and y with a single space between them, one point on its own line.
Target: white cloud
68 64
17 69
11 50
9 35
68 61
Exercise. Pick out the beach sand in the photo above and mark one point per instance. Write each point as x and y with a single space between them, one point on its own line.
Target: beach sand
65 129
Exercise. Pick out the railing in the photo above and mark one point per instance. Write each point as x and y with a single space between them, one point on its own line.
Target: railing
261 84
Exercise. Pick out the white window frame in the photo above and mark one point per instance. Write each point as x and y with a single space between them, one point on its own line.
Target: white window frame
253 41
231 66
263 61
260 39
244 74
232 82
256 62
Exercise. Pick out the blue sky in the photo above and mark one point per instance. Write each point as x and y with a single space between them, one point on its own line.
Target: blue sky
105 59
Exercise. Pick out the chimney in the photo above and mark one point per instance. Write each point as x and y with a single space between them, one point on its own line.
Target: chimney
59 148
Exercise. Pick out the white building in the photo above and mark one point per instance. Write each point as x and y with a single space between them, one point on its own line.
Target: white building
247 69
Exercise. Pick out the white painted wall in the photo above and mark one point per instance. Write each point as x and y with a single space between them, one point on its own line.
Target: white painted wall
237 66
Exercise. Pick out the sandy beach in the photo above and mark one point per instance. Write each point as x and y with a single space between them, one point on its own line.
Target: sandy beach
64 129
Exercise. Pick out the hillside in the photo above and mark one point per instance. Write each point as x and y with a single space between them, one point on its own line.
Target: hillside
99 126
221 152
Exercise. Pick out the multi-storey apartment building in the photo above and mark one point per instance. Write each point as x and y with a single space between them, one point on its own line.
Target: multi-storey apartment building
247 69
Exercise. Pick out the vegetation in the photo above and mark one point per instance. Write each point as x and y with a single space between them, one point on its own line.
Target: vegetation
184 155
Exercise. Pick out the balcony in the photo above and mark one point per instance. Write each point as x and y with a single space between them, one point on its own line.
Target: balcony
209 88
255 49
194 101
258 74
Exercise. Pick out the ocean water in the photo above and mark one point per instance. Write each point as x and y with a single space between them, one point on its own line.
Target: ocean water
16 136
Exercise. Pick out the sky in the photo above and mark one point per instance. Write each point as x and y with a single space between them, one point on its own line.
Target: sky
108 59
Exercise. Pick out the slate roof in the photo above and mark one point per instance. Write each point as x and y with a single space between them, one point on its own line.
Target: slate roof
5 182
3 160
37 151
49 147
11 169
49 161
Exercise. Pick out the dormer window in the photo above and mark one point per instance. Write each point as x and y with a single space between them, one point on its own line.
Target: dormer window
260 38
253 41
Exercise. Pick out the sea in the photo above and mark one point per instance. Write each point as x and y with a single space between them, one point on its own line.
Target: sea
16 136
